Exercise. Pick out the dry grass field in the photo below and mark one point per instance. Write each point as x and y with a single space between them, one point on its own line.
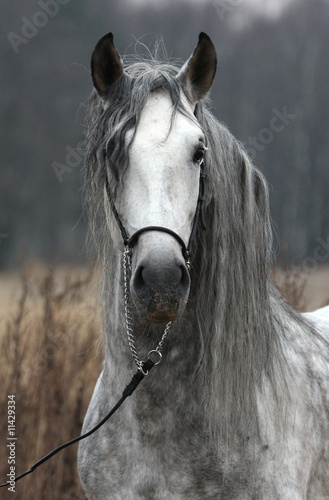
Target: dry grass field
50 359
51 355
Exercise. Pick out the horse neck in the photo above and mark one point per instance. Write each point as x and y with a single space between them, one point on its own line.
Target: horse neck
214 356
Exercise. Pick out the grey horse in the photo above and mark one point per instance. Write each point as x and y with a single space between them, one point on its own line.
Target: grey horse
238 407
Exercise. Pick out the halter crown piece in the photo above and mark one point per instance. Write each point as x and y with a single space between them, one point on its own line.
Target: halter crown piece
129 242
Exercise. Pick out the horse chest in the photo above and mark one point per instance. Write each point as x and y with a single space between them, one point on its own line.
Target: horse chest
158 457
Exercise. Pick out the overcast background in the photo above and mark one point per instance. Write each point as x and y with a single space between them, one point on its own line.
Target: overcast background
271 90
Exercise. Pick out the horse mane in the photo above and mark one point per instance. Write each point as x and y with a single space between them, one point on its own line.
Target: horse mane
240 320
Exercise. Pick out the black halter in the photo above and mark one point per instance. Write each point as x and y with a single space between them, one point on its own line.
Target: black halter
130 242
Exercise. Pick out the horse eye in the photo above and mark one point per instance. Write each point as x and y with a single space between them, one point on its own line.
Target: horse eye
198 155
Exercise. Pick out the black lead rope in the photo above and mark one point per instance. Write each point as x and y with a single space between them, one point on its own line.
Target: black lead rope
133 384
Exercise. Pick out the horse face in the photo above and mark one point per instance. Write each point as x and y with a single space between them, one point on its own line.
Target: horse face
160 188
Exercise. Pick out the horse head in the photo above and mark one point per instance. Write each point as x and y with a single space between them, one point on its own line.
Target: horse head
157 197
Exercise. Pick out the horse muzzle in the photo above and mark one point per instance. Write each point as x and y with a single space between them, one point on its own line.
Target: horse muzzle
160 288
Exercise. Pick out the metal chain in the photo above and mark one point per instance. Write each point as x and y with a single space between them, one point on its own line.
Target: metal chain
129 325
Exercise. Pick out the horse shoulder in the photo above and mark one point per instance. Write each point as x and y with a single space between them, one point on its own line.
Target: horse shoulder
317 348
320 319
315 355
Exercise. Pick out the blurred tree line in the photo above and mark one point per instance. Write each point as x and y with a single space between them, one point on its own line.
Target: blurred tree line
271 90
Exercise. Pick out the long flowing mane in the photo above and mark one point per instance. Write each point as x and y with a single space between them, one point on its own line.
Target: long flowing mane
240 322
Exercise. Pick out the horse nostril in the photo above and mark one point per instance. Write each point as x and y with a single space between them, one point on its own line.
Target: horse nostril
140 286
184 282
185 279
138 278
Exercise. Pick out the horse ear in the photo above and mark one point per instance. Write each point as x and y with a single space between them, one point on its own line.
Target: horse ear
106 65
198 72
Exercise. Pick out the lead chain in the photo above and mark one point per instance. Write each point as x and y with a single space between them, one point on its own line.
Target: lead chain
129 325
